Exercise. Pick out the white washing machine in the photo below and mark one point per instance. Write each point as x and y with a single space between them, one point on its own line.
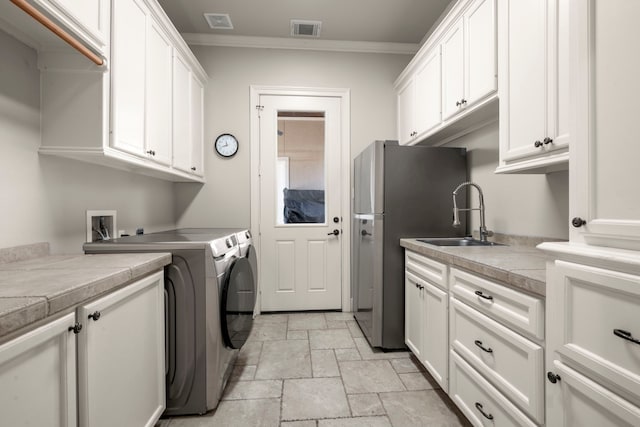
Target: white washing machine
210 294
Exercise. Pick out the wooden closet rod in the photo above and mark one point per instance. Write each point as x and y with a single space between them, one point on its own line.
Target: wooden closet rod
44 20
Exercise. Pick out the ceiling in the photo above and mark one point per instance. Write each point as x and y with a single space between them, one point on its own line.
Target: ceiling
379 21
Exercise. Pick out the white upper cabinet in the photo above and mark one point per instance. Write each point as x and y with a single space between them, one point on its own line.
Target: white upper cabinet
158 98
605 206
419 100
481 72
196 120
125 115
92 16
181 115
443 92
128 76
453 71
534 85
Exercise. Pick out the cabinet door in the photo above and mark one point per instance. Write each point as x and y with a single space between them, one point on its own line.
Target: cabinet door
593 309
181 114
414 318
577 401
406 112
91 16
158 105
481 76
435 355
196 120
522 73
121 356
128 73
604 165
453 71
428 93
38 377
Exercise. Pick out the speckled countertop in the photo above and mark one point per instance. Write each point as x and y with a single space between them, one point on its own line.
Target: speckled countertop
37 287
521 267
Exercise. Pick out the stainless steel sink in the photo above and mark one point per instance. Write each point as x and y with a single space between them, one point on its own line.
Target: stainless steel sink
457 241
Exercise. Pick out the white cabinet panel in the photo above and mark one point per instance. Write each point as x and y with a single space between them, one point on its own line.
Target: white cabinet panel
534 85
414 315
158 95
92 16
585 403
38 377
481 74
516 309
121 356
598 309
435 355
428 97
453 71
512 363
128 74
480 402
428 269
406 111
181 116
604 165
196 112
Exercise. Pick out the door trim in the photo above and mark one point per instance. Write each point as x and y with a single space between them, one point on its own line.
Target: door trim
345 171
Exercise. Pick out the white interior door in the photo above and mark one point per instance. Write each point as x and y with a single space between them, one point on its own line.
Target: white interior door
300 256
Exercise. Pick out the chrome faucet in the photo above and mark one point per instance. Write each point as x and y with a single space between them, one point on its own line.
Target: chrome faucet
484 233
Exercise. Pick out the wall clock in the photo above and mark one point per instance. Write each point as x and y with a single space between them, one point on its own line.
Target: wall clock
226 145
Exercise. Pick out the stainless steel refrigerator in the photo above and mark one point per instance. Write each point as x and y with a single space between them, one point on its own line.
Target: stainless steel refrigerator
399 192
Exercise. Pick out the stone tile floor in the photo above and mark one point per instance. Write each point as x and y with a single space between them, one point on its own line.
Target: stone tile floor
317 369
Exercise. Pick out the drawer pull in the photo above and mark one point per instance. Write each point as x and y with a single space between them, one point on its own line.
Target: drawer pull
481 409
625 335
479 344
553 378
481 295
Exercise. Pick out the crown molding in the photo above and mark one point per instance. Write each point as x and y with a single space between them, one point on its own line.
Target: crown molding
201 39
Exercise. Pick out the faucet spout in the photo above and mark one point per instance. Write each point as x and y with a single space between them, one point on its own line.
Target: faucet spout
484 233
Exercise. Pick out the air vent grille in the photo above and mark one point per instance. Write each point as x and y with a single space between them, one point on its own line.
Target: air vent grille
300 28
219 21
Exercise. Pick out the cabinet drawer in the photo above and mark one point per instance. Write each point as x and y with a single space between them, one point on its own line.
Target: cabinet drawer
426 268
481 403
586 403
599 307
516 309
509 361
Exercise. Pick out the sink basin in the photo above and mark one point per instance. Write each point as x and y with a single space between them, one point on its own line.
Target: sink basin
457 241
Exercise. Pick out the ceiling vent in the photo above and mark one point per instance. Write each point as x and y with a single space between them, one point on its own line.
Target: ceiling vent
219 21
300 28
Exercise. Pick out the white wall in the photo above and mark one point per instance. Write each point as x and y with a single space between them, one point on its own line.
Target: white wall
225 200
44 198
525 205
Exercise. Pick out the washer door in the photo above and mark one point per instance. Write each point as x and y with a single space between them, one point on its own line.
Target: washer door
237 302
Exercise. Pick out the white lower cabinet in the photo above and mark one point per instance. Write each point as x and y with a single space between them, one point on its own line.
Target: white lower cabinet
121 361
482 341
120 364
593 357
38 377
426 314
512 363
480 402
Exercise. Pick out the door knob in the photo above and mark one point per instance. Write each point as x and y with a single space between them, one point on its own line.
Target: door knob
335 232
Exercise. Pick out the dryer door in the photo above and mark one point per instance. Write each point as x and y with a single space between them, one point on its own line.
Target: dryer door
237 303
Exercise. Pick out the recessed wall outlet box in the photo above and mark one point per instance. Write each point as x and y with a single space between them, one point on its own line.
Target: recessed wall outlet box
101 225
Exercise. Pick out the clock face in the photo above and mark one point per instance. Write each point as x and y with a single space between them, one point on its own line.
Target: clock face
226 145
